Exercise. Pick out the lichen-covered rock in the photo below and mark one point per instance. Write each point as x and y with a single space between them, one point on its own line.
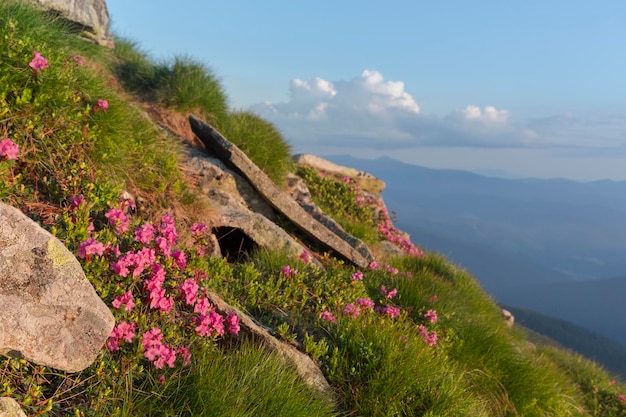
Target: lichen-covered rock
10 408
49 313
368 182
93 15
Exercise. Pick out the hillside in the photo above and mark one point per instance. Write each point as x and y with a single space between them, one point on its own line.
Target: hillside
96 148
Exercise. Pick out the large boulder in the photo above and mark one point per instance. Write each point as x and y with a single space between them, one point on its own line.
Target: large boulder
49 313
10 408
92 15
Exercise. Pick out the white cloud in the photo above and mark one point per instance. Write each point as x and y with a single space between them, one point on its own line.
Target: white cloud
371 112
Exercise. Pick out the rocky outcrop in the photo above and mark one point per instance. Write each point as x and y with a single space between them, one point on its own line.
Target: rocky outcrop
10 408
306 368
49 313
300 192
92 15
509 318
278 199
368 182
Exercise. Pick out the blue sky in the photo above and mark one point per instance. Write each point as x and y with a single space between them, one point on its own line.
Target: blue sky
532 88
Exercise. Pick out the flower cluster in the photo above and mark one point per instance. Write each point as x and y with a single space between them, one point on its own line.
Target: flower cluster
288 271
38 63
429 338
9 149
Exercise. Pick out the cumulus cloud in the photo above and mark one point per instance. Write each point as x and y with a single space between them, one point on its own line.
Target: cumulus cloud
371 112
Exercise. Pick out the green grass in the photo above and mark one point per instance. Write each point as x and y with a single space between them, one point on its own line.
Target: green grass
261 141
246 382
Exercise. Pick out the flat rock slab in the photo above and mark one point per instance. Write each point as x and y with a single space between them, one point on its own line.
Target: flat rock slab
10 408
278 199
49 312
306 368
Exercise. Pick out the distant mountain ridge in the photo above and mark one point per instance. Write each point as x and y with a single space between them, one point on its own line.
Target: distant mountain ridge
549 245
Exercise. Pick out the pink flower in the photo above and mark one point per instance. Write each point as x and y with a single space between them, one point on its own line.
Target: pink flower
190 290
180 258
9 149
78 59
38 63
233 324
144 233
328 316
77 201
352 310
210 322
357 276
202 306
433 298
305 256
388 294
288 272
102 105
365 302
123 331
391 269
127 300
374 265
431 316
118 220
88 247
168 228
184 353
164 246
429 338
198 229
621 397
391 311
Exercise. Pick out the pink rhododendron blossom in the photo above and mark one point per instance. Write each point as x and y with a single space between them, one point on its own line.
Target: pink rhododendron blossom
77 201
144 233
374 265
38 63
433 298
198 229
328 316
184 353
78 59
352 310
90 229
118 220
233 324
189 289
365 302
431 316
621 397
88 247
388 294
391 311
180 258
202 306
429 338
288 272
305 256
9 149
391 269
209 323
127 300
168 228
164 246
101 104
123 331
357 276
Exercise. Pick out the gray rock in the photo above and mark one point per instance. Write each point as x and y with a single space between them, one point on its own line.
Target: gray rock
305 366
10 408
49 313
278 199
93 15
509 318
300 192
367 181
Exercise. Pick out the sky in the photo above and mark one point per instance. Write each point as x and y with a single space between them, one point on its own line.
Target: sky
522 89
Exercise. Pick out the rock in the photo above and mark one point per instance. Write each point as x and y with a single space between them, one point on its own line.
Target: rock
305 366
368 182
300 192
93 15
10 408
278 199
509 318
49 313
